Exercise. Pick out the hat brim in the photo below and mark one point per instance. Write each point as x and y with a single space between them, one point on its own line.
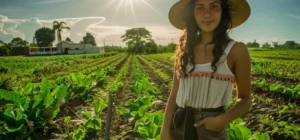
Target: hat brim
239 12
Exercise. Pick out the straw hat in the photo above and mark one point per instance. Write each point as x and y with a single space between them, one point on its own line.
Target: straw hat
239 12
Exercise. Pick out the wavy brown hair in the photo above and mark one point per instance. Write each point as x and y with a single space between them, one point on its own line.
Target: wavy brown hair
190 38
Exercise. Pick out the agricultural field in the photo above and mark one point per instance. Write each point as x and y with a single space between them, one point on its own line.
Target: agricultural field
121 96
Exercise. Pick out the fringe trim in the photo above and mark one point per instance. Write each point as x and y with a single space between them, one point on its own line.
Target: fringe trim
209 74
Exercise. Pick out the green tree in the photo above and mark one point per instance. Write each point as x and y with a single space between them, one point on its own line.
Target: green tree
170 48
44 37
68 39
58 27
18 42
3 49
137 38
131 48
115 49
290 44
88 39
2 43
253 44
161 49
151 47
266 45
276 45
33 45
297 46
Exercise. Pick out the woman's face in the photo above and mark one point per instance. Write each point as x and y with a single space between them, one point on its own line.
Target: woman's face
207 14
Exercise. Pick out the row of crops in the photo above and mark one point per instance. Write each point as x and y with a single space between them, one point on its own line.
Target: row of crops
38 109
282 120
119 96
19 71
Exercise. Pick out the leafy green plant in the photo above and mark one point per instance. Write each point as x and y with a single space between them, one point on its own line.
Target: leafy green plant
238 131
137 107
93 122
30 109
114 87
260 136
284 109
81 84
263 84
149 125
78 134
99 76
110 68
293 90
143 86
290 129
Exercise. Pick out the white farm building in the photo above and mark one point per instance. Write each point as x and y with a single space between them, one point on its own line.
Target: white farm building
66 47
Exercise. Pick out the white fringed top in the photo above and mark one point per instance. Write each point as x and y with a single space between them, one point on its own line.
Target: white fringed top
202 89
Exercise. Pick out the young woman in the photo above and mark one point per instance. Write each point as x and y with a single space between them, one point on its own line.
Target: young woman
207 64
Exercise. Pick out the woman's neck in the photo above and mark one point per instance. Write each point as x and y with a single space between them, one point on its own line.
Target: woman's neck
206 37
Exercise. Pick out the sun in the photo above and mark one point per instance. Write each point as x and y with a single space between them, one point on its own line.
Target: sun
130 4
127 4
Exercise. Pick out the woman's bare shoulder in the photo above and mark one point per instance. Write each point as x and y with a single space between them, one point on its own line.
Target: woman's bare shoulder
240 51
239 45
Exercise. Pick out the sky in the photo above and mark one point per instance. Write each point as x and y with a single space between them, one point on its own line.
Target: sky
270 20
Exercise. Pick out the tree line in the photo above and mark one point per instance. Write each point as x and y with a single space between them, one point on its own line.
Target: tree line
138 41
44 37
287 45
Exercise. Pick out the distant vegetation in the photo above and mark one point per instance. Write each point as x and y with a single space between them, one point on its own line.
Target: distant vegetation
138 41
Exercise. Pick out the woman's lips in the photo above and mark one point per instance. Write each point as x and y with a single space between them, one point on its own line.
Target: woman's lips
207 21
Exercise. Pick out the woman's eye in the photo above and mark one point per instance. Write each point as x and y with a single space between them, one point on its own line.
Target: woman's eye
199 8
214 6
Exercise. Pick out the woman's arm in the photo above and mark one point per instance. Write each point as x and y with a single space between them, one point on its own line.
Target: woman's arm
170 108
242 70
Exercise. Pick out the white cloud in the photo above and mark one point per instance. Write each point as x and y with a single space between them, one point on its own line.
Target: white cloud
51 1
6 19
3 18
4 36
79 26
164 31
276 39
28 28
113 39
25 29
293 16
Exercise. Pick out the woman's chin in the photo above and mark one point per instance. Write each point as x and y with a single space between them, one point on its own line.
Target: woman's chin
207 29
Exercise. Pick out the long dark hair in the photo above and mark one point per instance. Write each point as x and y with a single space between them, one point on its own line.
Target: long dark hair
190 37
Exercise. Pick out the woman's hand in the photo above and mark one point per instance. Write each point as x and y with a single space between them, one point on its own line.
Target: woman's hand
212 123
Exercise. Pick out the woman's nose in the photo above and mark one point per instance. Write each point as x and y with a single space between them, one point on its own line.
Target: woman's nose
207 12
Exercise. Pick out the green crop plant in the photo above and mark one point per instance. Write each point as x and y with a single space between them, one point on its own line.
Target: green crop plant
30 109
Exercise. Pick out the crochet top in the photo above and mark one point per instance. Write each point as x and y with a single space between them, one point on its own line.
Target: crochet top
202 89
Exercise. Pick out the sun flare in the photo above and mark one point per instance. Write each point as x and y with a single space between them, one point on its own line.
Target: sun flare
129 6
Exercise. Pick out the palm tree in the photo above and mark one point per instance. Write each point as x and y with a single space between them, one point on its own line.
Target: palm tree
136 37
59 27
